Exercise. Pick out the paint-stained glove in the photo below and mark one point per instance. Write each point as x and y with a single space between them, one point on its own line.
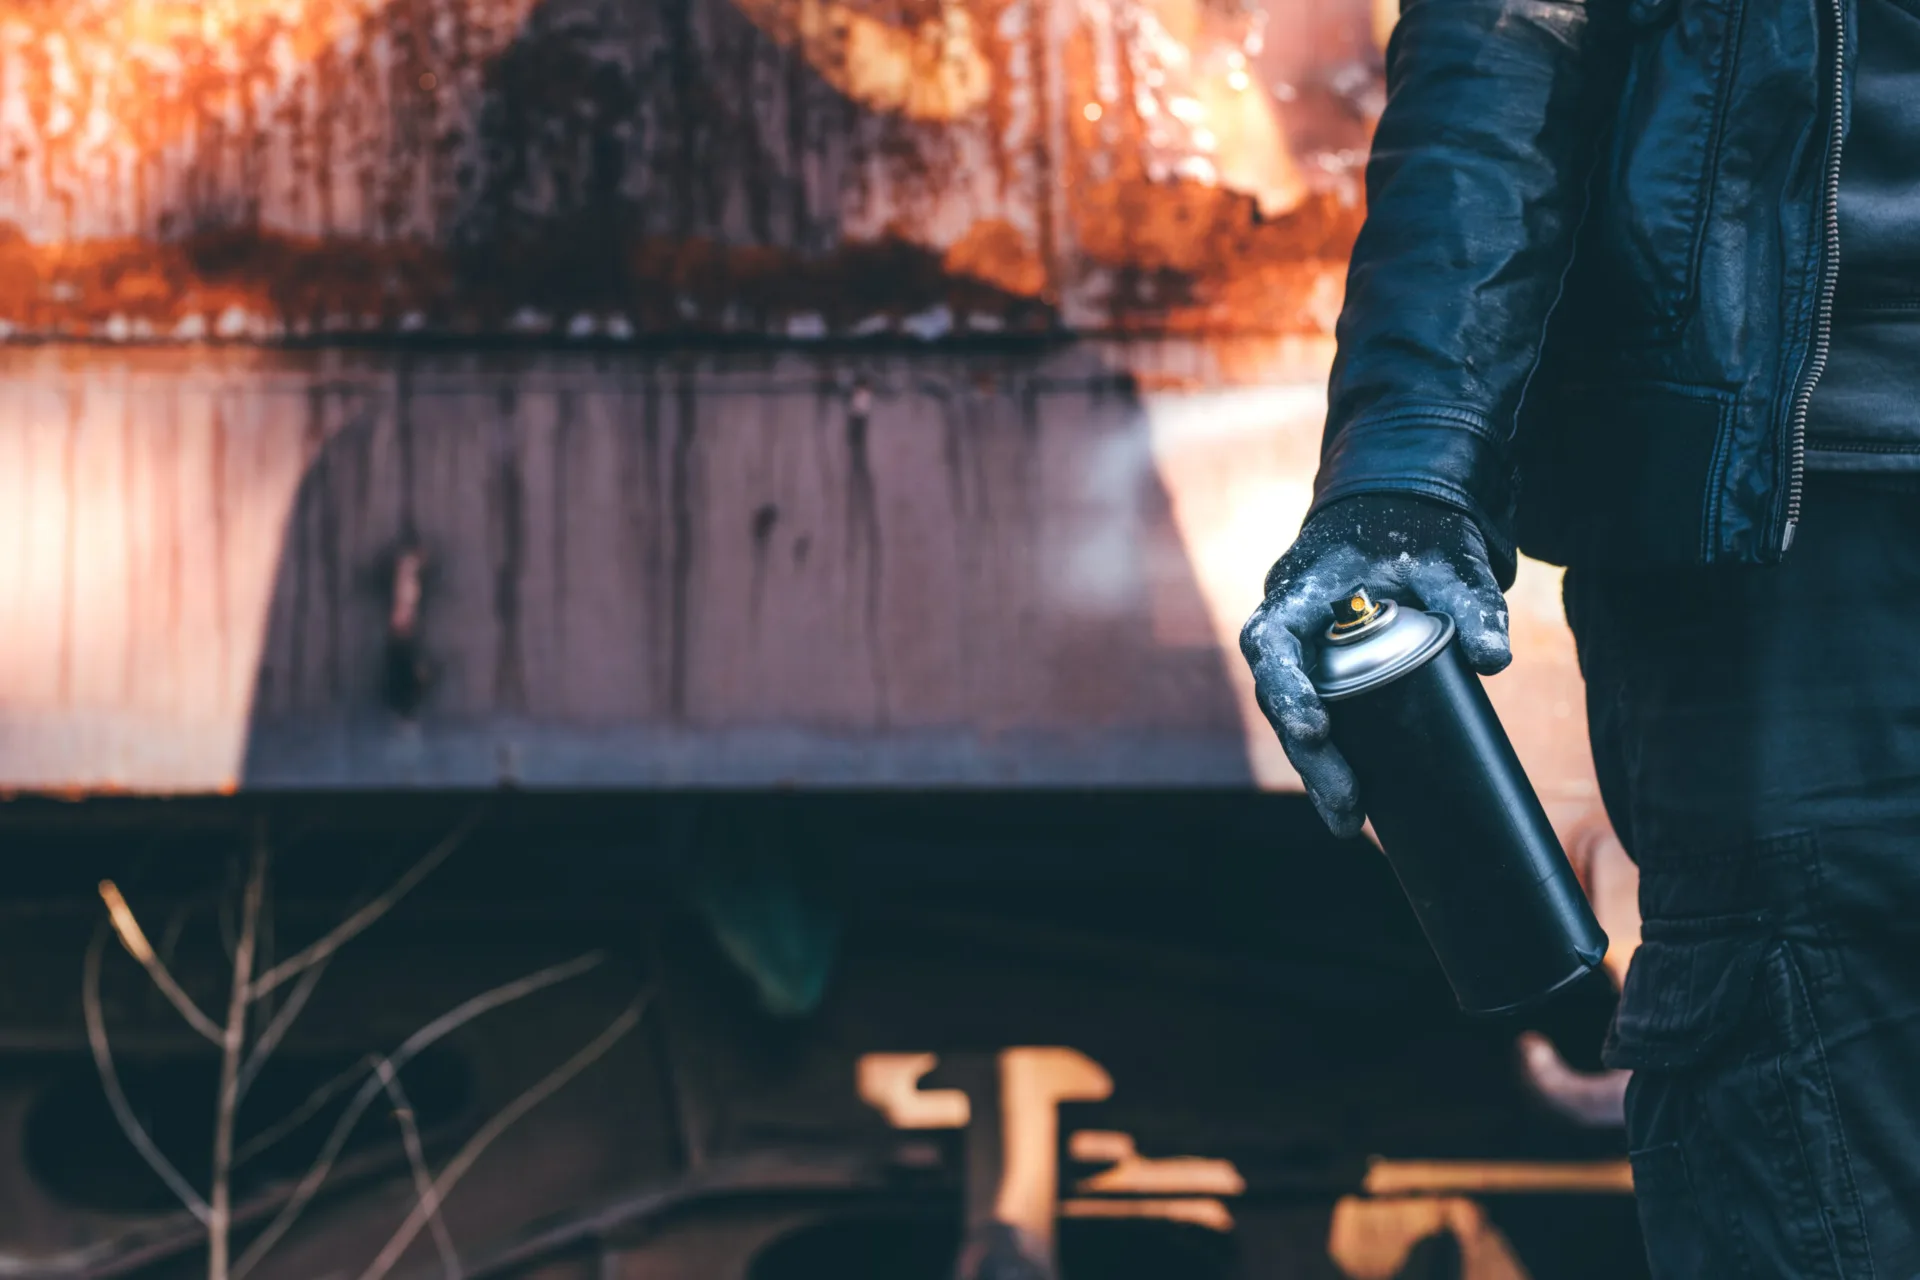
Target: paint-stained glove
1415 551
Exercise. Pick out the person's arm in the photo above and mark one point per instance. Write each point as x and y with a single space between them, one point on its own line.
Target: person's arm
1477 181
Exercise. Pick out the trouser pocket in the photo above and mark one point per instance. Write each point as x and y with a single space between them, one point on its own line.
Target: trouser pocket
1740 1162
1670 1212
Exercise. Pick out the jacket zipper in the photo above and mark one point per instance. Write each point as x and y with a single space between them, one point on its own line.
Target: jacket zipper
1829 275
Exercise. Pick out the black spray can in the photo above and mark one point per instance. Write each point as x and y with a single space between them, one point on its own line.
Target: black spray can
1453 809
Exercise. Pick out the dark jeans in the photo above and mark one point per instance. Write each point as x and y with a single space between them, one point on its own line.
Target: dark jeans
1757 737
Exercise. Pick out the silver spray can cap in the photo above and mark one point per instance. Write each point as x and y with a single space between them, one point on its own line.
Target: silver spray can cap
1373 642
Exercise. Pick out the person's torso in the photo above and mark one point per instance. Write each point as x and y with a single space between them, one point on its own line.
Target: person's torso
1677 404
1865 412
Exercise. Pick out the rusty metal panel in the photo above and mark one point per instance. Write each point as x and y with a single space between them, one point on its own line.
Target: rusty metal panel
237 170
302 278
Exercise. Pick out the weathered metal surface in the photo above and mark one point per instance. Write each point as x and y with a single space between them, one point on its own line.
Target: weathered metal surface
1020 568
645 571
1021 565
257 171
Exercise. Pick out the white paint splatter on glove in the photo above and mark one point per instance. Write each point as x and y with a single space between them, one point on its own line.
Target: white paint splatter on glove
1415 551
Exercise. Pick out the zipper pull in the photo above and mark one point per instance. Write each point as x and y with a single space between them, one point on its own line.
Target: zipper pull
1786 537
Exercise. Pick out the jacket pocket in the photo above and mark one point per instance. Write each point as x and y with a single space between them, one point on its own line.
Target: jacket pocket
1665 149
1622 476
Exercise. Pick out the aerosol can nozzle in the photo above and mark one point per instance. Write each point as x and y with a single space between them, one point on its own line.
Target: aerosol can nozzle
1353 610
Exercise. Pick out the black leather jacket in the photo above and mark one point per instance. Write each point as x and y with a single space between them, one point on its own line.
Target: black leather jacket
1592 295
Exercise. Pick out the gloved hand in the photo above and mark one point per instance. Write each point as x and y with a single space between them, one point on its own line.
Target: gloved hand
1418 552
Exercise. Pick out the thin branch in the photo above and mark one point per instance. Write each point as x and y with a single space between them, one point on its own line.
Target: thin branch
233 1045
264 954
541 1090
229 932
366 916
116 1097
444 1025
127 927
170 936
276 1030
319 1098
427 1197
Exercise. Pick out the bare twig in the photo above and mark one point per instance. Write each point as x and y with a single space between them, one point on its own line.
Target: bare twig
116 1097
320 1097
427 1197
276 1030
444 1025
264 954
229 931
366 916
170 936
127 927
233 1044
503 1120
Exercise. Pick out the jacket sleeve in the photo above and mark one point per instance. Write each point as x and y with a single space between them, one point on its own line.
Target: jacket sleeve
1476 185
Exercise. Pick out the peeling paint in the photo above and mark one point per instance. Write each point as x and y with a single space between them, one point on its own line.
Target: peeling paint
302 170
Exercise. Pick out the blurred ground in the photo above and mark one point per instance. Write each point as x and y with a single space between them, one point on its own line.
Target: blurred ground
1254 992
